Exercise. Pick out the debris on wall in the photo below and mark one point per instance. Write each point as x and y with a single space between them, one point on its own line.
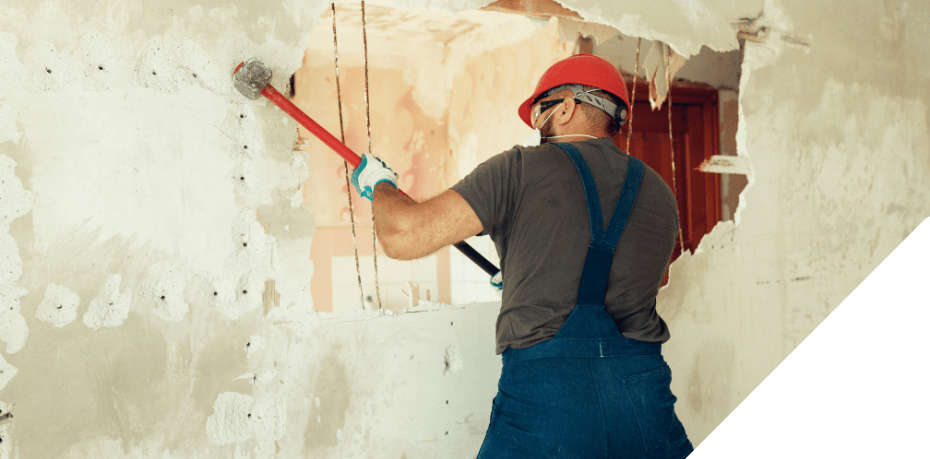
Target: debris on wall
454 360
111 307
719 164
661 65
264 377
570 29
15 203
7 372
59 306
255 344
239 417
163 286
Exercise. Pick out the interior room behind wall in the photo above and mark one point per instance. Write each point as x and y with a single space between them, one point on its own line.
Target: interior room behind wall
443 91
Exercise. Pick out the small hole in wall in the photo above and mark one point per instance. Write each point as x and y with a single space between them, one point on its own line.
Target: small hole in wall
59 306
195 75
245 244
447 433
241 115
153 73
245 292
451 323
245 146
100 67
250 415
248 344
447 402
241 178
163 297
215 293
111 303
48 70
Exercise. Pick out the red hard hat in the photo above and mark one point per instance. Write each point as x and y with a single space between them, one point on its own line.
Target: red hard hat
585 69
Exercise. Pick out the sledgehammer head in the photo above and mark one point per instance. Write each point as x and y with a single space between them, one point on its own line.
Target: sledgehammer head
250 77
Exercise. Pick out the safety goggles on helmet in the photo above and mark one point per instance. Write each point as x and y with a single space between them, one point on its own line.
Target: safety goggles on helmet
618 113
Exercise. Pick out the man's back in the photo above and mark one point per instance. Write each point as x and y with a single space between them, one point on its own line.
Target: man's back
531 202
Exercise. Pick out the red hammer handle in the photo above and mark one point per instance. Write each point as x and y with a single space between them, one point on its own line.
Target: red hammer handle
275 97
278 99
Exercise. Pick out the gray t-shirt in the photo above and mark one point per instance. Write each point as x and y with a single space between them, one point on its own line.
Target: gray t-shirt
532 204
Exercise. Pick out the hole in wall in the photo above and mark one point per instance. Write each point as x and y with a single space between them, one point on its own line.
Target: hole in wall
705 87
290 87
704 117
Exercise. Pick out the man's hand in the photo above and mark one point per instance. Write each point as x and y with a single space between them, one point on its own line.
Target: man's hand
369 173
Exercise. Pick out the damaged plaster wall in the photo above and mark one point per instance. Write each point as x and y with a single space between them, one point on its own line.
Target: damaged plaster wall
154 239
124 174
144 207
834 122
838 138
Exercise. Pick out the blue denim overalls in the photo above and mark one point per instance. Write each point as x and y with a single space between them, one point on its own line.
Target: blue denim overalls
588 392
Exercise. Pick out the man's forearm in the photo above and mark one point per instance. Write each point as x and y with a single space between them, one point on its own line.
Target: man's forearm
393 212
409 230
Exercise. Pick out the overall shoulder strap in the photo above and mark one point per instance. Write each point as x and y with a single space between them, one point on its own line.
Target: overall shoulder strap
603 243
590 190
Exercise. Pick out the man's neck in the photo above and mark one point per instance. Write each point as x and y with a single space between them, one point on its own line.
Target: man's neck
578 137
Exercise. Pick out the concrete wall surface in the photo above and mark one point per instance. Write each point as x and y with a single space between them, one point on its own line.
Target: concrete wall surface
154 277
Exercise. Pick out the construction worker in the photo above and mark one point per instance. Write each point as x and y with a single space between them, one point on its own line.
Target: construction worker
583 375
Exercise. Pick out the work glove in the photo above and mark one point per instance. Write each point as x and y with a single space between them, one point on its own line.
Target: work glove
369 173
497 281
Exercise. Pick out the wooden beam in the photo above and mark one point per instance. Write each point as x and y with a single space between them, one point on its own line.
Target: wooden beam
533 8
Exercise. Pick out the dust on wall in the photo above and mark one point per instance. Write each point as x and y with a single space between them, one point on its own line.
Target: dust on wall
123 153
142 193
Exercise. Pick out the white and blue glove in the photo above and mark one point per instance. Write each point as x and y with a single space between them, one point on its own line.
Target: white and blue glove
497 281
369 173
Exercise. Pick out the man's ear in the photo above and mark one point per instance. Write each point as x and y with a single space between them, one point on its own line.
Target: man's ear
567 111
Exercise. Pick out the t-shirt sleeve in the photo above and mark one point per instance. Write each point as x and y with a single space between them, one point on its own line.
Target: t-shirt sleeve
490 188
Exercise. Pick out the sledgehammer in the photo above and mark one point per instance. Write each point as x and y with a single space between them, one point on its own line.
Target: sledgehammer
252 78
